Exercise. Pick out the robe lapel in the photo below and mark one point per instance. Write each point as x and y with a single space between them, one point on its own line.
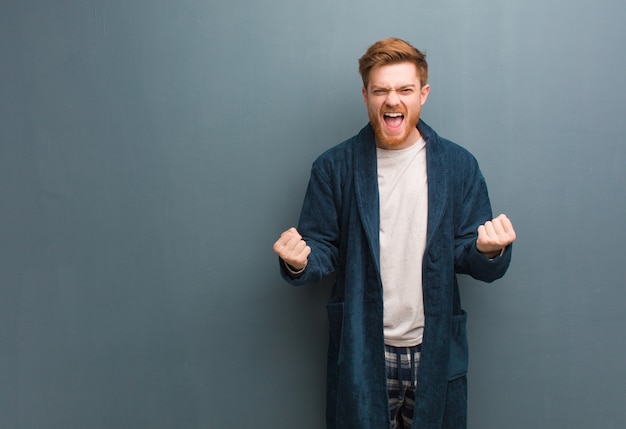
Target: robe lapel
366 186
438 189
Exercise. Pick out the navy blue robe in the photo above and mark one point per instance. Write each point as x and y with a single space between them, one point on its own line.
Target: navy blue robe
340 222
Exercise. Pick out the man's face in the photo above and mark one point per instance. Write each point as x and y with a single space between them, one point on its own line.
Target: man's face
394 98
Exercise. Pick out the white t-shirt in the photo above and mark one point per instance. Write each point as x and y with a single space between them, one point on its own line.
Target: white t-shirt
403 191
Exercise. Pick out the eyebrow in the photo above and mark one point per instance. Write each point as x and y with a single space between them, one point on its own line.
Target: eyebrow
387 88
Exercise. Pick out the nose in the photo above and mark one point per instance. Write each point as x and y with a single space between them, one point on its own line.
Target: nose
392 99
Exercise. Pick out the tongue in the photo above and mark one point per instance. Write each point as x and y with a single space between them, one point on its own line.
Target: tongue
393 122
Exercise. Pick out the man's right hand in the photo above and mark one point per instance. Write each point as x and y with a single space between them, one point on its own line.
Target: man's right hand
292 249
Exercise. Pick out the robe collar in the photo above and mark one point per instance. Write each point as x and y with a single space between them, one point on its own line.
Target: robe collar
366 184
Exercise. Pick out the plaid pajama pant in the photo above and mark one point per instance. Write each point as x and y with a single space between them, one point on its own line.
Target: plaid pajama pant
402 363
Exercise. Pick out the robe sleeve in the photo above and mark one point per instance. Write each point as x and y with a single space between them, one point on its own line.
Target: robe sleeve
319 225
474 210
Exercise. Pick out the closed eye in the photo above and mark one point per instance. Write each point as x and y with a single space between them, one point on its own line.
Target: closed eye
402 91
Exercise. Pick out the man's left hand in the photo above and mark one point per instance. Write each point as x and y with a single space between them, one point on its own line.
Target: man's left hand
494 236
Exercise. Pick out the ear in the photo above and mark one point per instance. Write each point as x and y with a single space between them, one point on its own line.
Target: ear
364 92
424 93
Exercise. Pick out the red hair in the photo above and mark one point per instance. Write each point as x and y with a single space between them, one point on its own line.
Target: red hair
392 51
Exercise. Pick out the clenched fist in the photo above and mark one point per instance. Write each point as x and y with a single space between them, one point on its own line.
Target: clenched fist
292 249
494 236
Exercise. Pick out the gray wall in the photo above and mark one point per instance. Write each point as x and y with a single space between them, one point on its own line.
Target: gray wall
152 151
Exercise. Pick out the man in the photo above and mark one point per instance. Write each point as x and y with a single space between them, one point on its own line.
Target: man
396 211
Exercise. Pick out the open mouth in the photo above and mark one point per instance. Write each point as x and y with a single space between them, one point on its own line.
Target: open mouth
393 119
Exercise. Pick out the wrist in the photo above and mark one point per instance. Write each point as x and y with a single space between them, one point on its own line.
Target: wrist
495 254
293 270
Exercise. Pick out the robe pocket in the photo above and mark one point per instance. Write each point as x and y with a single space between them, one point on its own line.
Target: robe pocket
457 365
335 328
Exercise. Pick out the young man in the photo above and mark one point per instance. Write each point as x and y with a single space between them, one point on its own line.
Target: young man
396 212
